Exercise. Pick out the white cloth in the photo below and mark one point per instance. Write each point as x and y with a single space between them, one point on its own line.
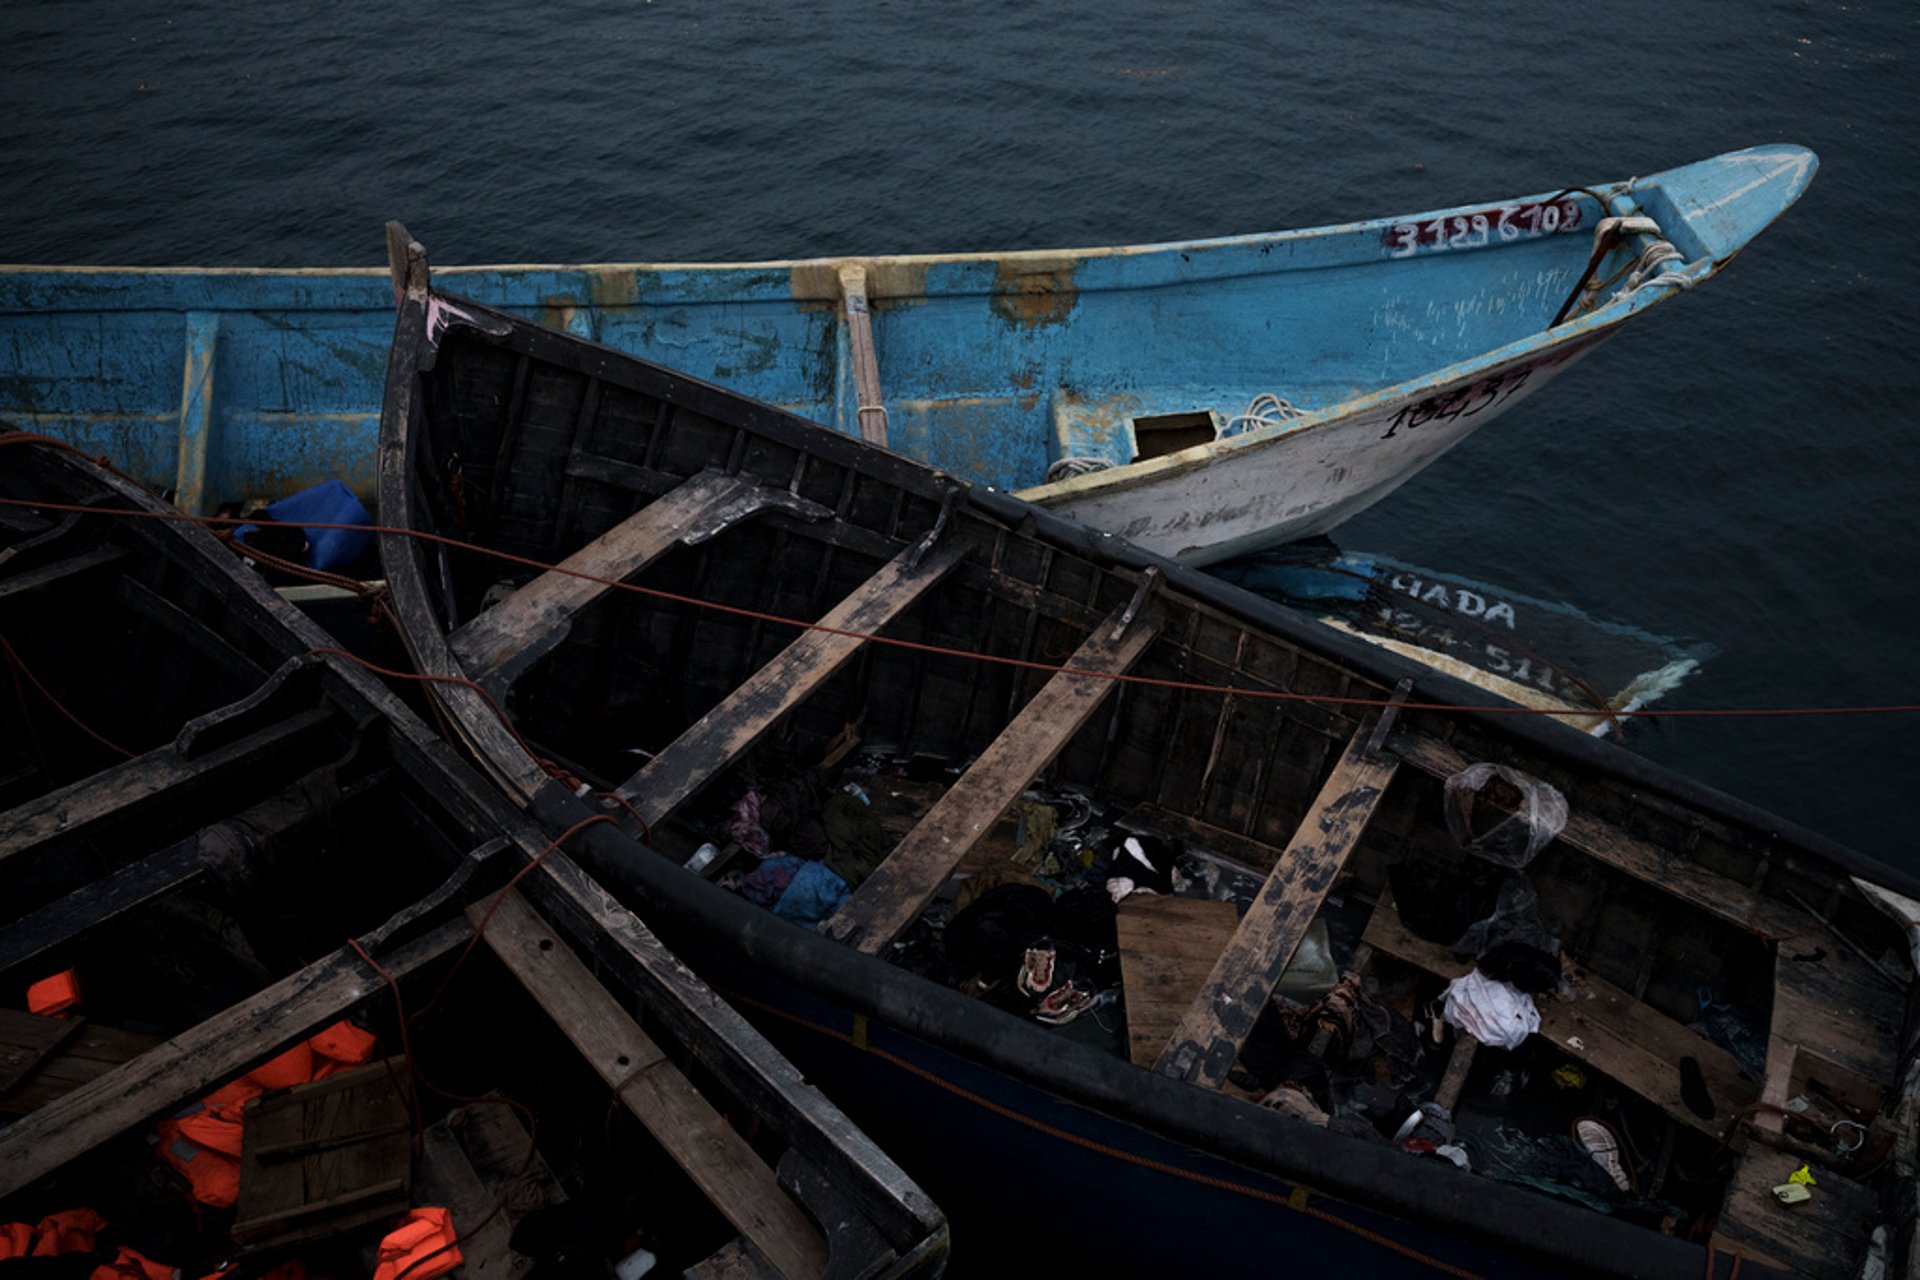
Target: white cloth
1495 1013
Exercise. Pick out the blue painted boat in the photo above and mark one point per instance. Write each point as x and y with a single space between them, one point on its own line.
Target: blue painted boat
1205 398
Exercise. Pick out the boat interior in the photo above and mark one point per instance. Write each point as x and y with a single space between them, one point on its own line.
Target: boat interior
223 854
746 605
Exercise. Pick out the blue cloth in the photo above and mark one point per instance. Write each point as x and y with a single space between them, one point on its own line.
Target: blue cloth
768 881
815 893
329 502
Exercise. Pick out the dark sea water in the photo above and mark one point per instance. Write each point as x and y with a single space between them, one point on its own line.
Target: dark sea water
1737 469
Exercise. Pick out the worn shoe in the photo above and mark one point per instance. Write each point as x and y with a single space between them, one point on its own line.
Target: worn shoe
1036 970
1598 1140
1064 1003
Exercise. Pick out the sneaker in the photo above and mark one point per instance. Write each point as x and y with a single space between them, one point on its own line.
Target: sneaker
1064 1003
1598 1140
1036 970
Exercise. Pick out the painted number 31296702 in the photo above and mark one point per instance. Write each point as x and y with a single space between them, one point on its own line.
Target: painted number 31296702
1471 230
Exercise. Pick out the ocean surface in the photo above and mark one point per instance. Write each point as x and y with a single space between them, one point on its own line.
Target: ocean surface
1737 470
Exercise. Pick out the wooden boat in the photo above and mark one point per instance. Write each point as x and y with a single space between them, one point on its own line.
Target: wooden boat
235 840
1122 386
947 624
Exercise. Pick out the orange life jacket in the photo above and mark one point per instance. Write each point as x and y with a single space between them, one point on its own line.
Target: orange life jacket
54 997
69 1231
420 1248
16 1240
130 1264
213 1175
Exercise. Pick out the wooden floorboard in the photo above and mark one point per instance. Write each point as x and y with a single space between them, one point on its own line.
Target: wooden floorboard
717 738
913 873
1825 1238
714 1155
1203 1047
1167 950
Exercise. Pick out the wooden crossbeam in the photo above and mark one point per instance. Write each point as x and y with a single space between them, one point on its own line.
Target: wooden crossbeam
903 885
714 1155
1604 842
506 639
123 789
31 580
870 409
1633 1043
198 1059
1203 1047
702 752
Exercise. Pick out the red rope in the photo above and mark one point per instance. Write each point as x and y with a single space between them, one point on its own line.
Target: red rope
20 668
1192 686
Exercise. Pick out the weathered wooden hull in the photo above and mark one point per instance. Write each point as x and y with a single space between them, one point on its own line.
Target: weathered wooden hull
1394 339
731 576
237 838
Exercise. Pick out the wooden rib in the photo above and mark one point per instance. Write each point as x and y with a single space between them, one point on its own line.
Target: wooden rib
199 1058
903 885
534 617
870 409
125 788
718 737
1218 1021
47 575
1629 1041
1604 842
717 1158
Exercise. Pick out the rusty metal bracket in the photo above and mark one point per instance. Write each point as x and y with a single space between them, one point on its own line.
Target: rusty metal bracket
1377 740
1148 582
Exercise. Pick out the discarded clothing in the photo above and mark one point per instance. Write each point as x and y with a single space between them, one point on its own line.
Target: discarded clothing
744 829
1440 904
1141 864
766 883
1528 968
1493 1013
856 842
1038 826
815 892
989 939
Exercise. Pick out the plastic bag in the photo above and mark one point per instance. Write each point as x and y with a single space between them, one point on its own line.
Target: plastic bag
1523 821
1491 1012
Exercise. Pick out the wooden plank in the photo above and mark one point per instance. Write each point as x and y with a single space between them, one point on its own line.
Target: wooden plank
1203 1047
93 1052
1602 841
871 407
470 1160
717 738
912 874
1603 1026
1824 1238
533 618
198 1059
27 1040
1832 1008
1459 1064
717 1158
24 583
1167 948
124 789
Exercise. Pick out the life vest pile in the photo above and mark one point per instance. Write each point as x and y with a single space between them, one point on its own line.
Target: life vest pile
202 1142
77 1231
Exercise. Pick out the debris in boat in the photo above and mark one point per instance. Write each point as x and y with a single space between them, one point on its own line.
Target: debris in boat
423 1246
1603 1144
1492 1012
55 996
328 503
1518 815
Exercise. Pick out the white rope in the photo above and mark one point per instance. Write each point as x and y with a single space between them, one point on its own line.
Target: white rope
1264 410
1068 468
1654 266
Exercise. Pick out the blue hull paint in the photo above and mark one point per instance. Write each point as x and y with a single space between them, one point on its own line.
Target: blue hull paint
1396 337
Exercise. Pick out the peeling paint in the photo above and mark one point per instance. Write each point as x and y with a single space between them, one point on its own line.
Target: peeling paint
1030 298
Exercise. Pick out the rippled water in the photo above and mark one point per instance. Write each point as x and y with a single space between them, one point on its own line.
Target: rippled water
1735 469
